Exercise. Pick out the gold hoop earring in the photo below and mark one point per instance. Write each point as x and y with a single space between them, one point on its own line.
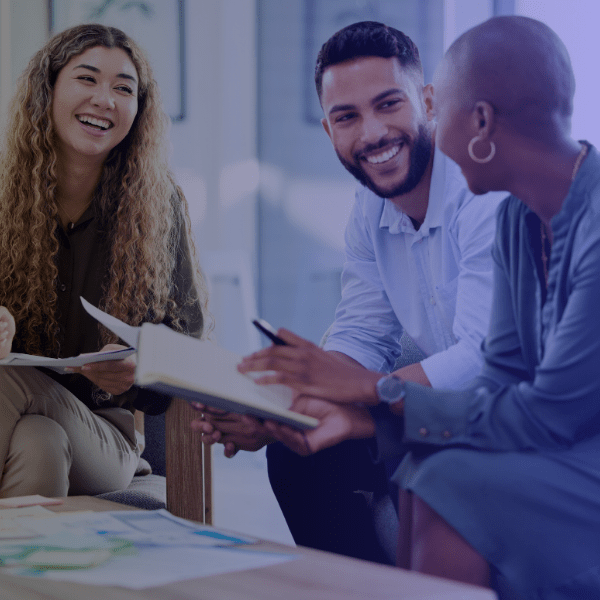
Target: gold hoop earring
489 157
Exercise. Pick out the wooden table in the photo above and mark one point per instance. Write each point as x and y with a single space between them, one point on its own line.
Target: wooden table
314 575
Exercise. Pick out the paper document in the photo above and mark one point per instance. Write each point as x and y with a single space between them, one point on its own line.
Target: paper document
14 522
16 359
133 549
126 332
178 365
33 500
181 366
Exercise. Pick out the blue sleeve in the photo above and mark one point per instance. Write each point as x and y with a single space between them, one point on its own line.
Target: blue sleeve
366 327
472 235
511 407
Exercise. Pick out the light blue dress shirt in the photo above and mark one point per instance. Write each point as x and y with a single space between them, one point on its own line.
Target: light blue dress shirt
434 283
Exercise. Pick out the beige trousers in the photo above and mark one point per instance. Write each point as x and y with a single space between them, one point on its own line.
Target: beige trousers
52 444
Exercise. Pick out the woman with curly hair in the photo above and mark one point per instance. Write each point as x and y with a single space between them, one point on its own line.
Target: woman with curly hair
88 207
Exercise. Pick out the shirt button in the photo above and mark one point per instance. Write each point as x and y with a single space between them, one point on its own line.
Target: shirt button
423 432
446 434
63 287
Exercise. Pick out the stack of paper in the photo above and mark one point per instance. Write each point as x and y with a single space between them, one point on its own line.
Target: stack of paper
134 549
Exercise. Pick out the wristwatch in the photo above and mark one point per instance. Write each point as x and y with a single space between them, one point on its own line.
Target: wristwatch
390 389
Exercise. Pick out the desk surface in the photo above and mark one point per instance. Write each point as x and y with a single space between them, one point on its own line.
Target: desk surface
315 575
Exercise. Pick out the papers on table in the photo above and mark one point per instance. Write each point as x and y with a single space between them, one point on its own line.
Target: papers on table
14 522
133 549
33 500
153 567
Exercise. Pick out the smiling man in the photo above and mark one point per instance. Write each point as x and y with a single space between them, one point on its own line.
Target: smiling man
418 261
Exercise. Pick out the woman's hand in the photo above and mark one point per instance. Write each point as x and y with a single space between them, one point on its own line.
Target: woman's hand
336 423
312 371
112 376
235 432
7 331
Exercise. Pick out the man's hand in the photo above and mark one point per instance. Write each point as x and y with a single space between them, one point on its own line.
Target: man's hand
337 423
113 376
235 432
7 331
312 371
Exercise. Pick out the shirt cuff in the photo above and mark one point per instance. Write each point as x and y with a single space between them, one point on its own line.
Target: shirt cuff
368 361
453 368
435 416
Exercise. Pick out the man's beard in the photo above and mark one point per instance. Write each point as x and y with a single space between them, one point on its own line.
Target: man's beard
420 154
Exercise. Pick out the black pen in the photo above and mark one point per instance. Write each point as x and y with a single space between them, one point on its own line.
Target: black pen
267 330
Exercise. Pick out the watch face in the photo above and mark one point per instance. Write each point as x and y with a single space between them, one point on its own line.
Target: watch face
390 388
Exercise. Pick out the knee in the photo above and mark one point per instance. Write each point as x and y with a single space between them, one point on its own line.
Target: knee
39 458
279 459
40 441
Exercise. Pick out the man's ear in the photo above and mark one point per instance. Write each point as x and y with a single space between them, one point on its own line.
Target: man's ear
428 92
484 119
325 124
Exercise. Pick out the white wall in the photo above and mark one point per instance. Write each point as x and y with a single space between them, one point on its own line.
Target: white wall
23 29
576 23
461 15
217 141
215 158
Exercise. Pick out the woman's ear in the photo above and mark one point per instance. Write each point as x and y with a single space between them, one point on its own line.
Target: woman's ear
484 119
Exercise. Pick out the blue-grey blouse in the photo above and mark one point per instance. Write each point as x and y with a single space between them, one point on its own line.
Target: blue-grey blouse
527 430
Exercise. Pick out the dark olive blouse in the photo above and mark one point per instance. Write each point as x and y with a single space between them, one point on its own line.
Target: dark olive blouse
82 261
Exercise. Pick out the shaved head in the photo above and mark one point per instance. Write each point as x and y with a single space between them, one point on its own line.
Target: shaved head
518 65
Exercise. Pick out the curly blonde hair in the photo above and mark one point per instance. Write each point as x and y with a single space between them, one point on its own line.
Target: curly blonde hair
137 201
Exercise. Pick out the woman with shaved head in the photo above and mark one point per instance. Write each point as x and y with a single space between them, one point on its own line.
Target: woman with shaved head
519 500
502 487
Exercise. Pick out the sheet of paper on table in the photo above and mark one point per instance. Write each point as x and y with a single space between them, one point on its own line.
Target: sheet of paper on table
14 522
33 500
133 549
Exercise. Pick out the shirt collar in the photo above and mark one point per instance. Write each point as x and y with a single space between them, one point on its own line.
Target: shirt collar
397 221
86 217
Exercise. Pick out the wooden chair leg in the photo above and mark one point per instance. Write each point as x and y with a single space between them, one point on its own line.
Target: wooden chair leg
189 472
138 415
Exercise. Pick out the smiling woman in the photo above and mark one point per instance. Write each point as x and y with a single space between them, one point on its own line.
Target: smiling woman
95 103
89 208
93 109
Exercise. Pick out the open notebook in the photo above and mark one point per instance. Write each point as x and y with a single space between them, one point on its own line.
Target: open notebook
182 366
179 365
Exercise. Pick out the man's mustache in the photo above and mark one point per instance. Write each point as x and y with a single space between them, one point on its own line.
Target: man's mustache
382 143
